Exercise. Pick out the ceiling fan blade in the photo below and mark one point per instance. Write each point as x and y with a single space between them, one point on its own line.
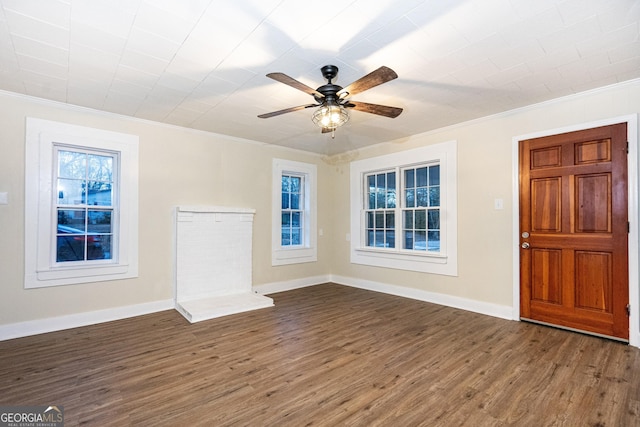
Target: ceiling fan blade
374 78
283 78
381 110
286 110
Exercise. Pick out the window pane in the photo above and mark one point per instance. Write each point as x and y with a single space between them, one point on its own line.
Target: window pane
409 181
391 198
381 199
71 192
295 201
98 247
408 220
295 219
370 238
100 168
434 241
286 219
371 191
421 220
434 220
286 236
434 196
285 184
434 175
390 239
72 164
295 184
408 240
99 194
285 200
370 216
390 220
391 180
421 177
295 236
421 196
71 221
420 243
379 219
379 238
99 222
69 248
410 198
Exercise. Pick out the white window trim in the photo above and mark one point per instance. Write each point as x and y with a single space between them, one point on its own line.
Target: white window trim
308 251
40 270
444 262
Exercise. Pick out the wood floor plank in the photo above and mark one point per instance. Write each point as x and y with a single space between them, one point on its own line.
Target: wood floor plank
326 355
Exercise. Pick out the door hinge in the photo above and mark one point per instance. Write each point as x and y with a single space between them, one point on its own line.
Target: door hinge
627 147
628 309
628 227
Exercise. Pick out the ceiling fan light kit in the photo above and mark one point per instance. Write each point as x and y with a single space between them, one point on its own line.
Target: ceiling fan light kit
330 116
332 101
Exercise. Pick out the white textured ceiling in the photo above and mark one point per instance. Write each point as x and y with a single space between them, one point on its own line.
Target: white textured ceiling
202 63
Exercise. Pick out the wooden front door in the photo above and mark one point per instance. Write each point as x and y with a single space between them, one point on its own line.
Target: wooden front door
574 230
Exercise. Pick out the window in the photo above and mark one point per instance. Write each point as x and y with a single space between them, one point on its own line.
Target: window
421 213
81 201
380 212
292 206
403 210
293 212
85 206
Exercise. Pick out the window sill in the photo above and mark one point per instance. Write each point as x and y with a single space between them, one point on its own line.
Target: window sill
418 256
285 256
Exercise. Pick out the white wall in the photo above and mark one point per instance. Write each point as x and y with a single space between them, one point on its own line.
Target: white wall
177 167
485 235
182 167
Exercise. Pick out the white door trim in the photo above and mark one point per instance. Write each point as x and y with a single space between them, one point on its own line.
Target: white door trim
634 233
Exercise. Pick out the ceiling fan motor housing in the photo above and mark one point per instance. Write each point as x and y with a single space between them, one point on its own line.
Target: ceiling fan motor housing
329 90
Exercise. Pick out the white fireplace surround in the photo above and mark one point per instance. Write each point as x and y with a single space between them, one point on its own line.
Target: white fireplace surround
214 261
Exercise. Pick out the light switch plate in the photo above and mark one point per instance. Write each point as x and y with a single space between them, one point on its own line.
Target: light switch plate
4 198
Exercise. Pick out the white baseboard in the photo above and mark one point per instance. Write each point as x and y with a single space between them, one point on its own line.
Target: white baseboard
489 309
272 288
34 327
41 326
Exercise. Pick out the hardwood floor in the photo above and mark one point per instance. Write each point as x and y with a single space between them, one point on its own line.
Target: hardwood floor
326 355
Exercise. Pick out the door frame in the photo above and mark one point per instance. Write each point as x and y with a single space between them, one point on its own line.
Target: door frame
633 207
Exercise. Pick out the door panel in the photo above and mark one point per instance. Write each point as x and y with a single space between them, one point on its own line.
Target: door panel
545 209
593 281
573 207
546 268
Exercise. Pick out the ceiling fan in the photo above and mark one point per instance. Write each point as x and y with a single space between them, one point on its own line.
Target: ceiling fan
333 100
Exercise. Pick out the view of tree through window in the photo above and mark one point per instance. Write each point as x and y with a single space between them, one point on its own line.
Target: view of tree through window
85 205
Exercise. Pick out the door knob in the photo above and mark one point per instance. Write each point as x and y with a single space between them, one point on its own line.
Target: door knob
525 245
